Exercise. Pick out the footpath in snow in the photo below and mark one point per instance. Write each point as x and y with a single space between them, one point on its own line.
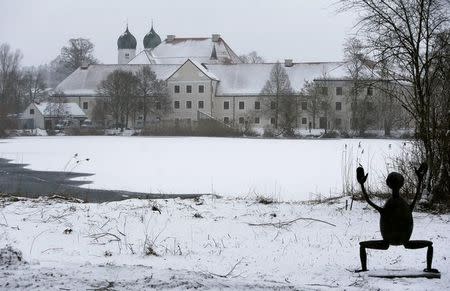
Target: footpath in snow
207 243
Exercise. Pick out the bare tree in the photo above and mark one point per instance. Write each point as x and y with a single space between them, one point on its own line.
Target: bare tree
361 95
279 102
120 90
153 94
57 108
9 79
404 33
33 84
389 110
77 52
251 58
318 101
100 114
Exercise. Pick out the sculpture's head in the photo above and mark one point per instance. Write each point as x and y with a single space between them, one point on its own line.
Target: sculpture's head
395 181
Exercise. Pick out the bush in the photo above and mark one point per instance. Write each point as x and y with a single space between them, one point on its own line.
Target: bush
84 131
200 128
331 134
264 200
5 125
269 131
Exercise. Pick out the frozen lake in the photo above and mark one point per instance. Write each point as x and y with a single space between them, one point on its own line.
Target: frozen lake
281 169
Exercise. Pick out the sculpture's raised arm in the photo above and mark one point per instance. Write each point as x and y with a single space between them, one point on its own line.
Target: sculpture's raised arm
420 172
361 180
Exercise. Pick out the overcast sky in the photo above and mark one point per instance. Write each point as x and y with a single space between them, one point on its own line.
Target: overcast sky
304 30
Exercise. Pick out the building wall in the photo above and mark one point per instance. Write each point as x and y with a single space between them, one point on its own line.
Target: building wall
125 56
236 115
37 116
190 75
88 101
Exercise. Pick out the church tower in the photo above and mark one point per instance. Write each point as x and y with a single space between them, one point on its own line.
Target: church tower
126 45
151 39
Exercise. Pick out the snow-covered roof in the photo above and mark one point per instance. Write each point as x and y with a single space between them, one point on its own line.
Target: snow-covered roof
204 70
84 82
249 79
233 79
178 50
49 109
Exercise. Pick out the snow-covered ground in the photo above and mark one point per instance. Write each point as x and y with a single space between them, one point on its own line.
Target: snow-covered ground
283 169
207 244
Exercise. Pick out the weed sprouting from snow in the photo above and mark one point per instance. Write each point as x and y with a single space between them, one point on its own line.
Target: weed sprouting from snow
10 256
347 170
264 200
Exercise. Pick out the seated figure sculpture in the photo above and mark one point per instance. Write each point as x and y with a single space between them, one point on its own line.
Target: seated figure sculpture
396 221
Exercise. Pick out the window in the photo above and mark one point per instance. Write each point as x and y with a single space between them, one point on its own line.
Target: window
256 120
272 120
241 104
338 106
176 104
176 89
304 120
85 105
338 122
273 105
127 55
241 120
369 91
158 105
338 91
226 105
226 120
31 111
188 89
188 104
304 105
201 89
324 105
201 104
324 91
257 105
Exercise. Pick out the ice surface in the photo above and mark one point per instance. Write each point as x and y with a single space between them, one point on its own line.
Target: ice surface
281 169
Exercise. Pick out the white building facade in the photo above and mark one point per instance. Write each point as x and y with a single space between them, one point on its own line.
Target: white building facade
205 76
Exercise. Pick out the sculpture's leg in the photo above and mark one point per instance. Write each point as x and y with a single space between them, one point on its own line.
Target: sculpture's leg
419 244
371 244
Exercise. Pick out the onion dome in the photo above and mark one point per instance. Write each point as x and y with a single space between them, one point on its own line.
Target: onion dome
126 41
151 39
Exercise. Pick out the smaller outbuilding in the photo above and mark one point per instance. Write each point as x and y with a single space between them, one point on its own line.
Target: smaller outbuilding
49 115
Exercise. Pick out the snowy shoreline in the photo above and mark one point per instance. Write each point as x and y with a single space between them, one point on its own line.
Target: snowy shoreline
207 243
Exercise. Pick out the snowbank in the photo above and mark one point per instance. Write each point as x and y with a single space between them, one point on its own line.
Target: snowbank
236 244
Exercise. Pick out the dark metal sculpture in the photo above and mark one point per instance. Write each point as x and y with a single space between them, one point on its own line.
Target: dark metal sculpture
396 221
